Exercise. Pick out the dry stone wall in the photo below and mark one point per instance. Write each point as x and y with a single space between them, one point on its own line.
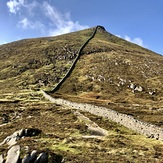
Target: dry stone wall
128 121
77 57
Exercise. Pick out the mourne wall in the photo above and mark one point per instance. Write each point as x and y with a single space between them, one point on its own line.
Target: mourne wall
149 130
128 121
100 28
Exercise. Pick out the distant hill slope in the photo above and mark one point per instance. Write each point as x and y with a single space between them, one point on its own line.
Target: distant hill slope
110 70
111 64
32 63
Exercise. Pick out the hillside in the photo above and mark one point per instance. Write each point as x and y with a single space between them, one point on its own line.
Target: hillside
120 75
108 71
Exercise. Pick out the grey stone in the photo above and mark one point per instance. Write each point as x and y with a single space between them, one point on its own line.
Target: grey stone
26 159
12 139
42 158
152 92
30 157
1 159
31 132
21 133
34 154
13 154
139 88
132 86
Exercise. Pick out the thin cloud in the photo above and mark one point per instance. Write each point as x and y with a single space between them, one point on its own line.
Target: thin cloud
136 40
61 23
118 36
15 5
4 42
50 19
27 24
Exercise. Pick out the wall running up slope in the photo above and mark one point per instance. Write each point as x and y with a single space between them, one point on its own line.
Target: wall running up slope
128 121
76 59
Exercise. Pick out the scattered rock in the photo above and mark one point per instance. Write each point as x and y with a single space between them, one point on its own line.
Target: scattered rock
138 88
132 86
152 92
13 154
5 118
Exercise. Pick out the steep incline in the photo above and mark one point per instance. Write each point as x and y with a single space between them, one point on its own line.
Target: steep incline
126 120
76 59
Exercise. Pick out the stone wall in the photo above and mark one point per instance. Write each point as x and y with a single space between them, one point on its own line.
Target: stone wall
128 121
77 57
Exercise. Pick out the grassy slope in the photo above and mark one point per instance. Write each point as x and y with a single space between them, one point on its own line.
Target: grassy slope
62 134
105 72
95 79
27 62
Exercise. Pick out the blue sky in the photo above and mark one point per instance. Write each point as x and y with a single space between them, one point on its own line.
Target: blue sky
138 21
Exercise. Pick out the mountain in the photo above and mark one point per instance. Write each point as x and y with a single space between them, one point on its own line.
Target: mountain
87 66
120 75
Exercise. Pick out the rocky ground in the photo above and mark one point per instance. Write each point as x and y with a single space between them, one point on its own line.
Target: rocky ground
65 135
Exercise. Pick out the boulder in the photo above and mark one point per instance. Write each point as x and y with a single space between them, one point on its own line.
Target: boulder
132 86
30 157
32 132
139 88
13 154
42 158
12 139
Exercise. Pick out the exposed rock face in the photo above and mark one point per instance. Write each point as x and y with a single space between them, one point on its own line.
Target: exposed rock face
12 139
13 154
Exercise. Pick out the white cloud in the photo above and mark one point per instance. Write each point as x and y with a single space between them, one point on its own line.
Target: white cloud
118 36
135 40
49 18
15 5
27 24
61 23
4 42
